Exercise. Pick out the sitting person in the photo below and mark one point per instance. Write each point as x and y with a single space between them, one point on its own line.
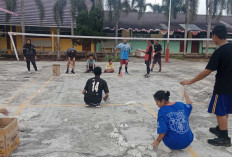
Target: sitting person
90 64
109 67
93 89
173 121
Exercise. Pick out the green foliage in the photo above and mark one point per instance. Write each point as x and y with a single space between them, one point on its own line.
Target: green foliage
114 59
89 24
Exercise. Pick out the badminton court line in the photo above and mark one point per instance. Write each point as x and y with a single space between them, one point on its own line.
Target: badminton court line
22 90
75 105
33 96
189 150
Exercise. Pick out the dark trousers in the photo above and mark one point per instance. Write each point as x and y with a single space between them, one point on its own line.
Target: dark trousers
148 63
32 60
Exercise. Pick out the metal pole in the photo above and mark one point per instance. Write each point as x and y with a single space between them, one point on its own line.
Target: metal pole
169 23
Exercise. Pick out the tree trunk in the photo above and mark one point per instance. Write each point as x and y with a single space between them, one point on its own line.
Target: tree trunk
116 35
210 9
58 43
22 21
186 27
72 29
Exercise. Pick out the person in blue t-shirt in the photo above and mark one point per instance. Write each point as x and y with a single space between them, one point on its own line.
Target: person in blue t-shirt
173 121
125 50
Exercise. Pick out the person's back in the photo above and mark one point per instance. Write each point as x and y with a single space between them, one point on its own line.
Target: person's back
178 133
223 64
93 89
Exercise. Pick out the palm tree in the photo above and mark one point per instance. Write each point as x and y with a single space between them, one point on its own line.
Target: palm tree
11 5
177 7
156 8
191 9
58 10
142 7
115 8
213 8
229 7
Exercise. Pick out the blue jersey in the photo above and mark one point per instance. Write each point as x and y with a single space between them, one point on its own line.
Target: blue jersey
125 50
173 122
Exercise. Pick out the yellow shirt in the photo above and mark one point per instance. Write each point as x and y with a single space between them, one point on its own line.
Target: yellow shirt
108 66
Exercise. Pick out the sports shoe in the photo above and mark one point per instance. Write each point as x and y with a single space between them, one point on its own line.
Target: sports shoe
159 70
37 72
220 141
127 73
72 72
146 76
86 105
67 72
151 69
29 72
214 131
98 106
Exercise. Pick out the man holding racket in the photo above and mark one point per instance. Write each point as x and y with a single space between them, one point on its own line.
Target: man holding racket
221 103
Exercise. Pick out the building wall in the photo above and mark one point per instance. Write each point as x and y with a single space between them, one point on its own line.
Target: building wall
64 43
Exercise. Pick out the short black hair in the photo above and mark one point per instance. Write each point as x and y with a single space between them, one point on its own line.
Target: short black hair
97 71
162 95
152 41
91 55
110 60
220 31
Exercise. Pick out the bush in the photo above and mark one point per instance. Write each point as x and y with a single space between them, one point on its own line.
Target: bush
114 59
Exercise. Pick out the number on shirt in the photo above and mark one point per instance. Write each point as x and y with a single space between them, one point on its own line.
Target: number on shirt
95 86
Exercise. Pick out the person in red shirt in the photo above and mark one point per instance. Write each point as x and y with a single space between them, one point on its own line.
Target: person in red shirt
148 56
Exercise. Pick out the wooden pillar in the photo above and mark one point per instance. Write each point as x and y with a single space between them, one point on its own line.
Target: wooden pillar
53 41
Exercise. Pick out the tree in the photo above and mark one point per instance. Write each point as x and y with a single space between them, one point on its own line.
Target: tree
11 5
177 7
191 8
142 7
213 8
115 8
156 8
89 24
58 11
229 7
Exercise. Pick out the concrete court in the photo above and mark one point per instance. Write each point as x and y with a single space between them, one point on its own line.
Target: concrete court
54 122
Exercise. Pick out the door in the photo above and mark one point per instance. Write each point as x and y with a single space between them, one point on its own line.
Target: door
195 46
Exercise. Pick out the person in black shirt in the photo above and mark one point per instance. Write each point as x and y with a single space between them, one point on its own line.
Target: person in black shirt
93 89
157 55
148 55
29 54
221 102
71 55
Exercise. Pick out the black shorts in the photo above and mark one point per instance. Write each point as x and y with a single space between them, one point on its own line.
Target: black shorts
92 100
155 60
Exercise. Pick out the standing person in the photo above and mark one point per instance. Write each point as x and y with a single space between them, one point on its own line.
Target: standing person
173 121
90 64
71 55
157 55
29 53
148 56
125 50
93 89
221 102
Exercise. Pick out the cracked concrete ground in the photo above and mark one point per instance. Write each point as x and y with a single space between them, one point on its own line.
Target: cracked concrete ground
55 123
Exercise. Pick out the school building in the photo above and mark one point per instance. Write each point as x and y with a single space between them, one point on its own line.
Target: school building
152 25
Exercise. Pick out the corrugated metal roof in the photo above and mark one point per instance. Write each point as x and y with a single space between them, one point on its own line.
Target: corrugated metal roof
32 14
